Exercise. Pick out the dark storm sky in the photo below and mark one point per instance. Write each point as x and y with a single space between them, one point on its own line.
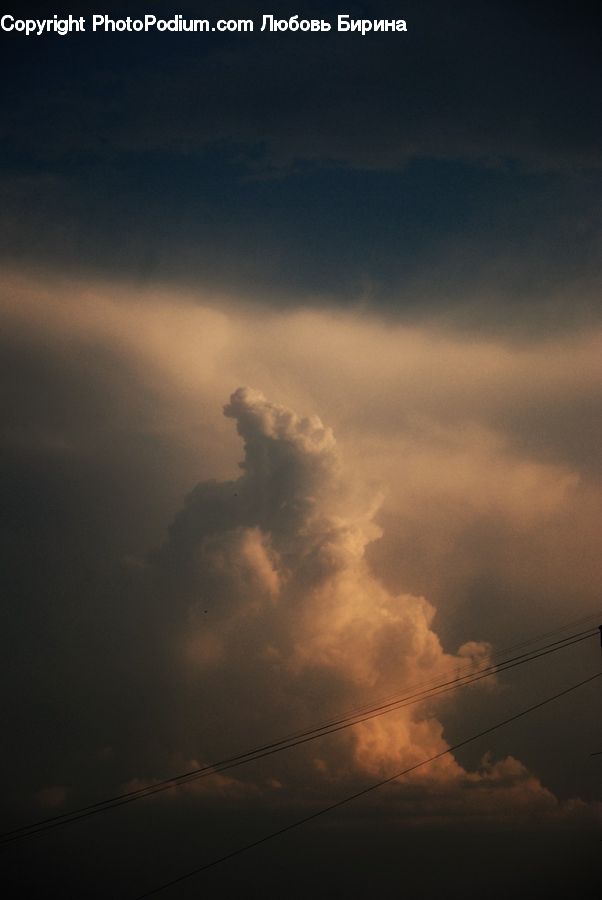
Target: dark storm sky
401 233
402 170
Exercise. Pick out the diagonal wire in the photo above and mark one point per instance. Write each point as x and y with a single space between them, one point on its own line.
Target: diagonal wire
372 787
287 743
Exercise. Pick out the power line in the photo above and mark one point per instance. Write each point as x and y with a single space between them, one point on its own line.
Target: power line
211 769
363 792
289 742
503 651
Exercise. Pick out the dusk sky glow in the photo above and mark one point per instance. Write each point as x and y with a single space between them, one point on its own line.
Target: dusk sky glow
301 350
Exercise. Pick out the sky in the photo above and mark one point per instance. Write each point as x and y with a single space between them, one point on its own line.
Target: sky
300 412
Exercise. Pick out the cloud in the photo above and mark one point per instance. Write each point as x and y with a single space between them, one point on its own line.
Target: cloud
277 557
263 581
324 572
371 102
379 172
499 793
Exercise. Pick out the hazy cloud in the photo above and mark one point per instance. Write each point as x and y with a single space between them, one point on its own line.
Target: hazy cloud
300 579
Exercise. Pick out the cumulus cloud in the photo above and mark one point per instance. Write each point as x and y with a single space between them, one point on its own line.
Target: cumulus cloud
272 575
497 792
284 592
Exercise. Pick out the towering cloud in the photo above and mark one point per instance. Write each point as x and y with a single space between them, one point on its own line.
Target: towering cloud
271 574
274 596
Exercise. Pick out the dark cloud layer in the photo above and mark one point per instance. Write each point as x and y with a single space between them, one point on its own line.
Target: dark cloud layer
450 170
497 83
